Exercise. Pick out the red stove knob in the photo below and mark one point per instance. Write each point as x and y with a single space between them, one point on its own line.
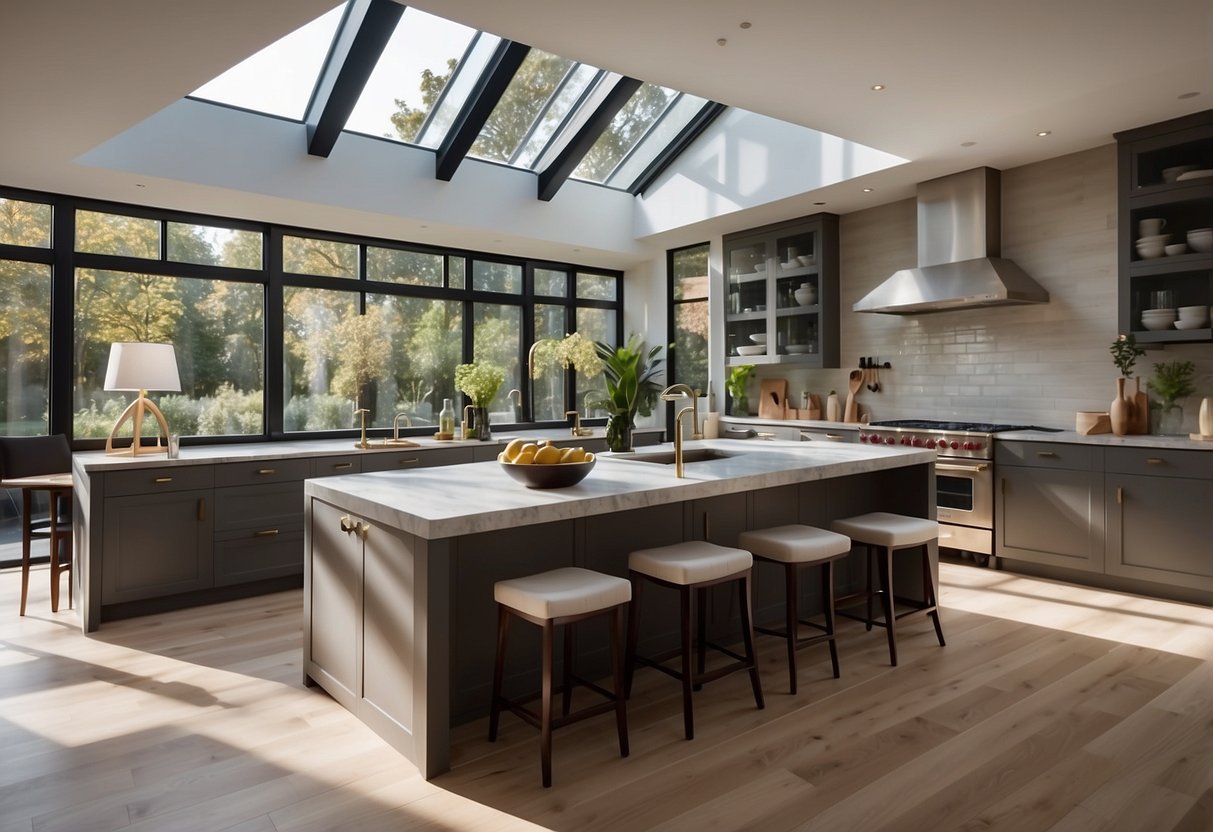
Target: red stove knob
968 446
863 437
930 443
889 441
955 444
917 442
977 446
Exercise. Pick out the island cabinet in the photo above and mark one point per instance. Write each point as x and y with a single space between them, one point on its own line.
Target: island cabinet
1157 504
1049 505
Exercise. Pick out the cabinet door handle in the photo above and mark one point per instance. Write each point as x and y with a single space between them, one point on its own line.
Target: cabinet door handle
834 436
264 471
408 462
163 479
1046 455
362 529
348 525
1120 495
265 533
765 435
972 469
201 509
342 466
1153 460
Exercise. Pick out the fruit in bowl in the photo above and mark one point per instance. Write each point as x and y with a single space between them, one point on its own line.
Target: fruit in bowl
543 465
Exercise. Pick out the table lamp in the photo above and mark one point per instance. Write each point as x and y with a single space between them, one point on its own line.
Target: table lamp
142 367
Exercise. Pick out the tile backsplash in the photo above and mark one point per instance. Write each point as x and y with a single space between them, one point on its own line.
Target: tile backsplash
1035 364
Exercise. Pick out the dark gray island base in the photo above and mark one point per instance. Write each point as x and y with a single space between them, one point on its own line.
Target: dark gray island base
399 617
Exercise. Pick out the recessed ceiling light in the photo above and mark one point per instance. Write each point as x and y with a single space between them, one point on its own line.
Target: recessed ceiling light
721 41
140 185
1189 95
867 190
745 24
819 203
576 249
877 87
967 144
425 226
1043 133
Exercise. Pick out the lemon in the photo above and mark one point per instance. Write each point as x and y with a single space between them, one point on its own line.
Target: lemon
573 455
589 457
525 457
513 449
547 442
547 455
501 457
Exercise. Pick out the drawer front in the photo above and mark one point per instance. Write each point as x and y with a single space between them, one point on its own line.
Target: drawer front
273 505
247 556
155 480
807 435
428 458
1160 462
1045 455
332 466
274 470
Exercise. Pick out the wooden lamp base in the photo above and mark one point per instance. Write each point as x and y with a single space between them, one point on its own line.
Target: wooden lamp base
135 411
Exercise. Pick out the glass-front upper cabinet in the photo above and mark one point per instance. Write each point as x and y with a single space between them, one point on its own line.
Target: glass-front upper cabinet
781 293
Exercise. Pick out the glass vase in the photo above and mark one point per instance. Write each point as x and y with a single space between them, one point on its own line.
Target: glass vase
480 424
619 429
1168 421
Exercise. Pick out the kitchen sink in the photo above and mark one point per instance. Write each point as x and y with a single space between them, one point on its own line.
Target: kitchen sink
667 457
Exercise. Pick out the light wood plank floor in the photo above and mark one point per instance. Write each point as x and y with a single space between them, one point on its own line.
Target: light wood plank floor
1052 707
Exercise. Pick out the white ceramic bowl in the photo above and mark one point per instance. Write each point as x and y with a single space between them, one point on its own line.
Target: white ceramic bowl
791 264
1160 313
1171 174
759 337
760 267
1193 312
758 349
1189 324
1201 239
805 297
797 349
1148 251
1155 326
806 260
1176 248
1154 238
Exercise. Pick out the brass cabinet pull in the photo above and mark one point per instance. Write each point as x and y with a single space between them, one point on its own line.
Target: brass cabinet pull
265 533
1046 455
341 466
411 461
972 469
348 525
163 479
1153 460
1120 495
264 471
362 529
201 509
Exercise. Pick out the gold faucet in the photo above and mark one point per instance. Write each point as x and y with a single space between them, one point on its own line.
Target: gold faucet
578 430
676 391
678 469
362 443
510 397
408 423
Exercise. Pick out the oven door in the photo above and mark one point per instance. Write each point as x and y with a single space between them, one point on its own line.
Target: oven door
964 492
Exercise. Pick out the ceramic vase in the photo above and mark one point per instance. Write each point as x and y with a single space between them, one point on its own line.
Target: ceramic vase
1205 422
1141 410
1121 410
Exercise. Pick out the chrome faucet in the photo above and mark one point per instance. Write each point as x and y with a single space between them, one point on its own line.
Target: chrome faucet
673 393
408 423
578 430
510 395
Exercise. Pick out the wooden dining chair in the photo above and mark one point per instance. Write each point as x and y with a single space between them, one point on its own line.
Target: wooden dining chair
32 456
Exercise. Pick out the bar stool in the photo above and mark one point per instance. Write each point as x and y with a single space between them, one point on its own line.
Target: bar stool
892 533
796 546
691 568
561 597
42 463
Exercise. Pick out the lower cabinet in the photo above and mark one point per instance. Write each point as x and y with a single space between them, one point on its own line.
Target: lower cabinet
1050 515
157 544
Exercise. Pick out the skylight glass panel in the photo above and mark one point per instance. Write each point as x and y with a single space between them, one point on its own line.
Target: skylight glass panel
626 129
420 58
530 90
456 92
558 109
677 116
279 79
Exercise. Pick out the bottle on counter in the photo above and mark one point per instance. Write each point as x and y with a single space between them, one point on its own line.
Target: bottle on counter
832 412
446 418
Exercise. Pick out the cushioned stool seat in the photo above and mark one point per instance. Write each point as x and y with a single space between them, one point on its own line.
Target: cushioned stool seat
891 533
691 568
795 546
561 597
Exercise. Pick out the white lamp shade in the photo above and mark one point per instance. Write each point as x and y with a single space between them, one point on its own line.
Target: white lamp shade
139 366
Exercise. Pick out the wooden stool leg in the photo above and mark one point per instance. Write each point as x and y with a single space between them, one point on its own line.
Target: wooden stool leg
827 603
928 585
793 620
25 529
747 632
566 692
885 563
701 638
869 554
621 708
687 609
633 635
545 721
503 628
54 546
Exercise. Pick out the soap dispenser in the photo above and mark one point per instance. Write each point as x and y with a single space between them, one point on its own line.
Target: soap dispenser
446 418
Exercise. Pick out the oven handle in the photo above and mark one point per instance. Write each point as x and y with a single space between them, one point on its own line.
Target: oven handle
972 469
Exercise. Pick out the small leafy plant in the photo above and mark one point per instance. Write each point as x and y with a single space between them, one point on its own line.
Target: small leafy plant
737 380
1172 381
479 381
1125 353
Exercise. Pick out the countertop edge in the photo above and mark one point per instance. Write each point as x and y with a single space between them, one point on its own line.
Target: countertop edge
1108 440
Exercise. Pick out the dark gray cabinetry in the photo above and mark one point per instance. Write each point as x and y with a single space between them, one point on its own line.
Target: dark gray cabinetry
1158 504
157 544
422 458
1049 505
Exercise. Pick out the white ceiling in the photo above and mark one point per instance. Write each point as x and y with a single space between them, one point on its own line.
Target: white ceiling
981 71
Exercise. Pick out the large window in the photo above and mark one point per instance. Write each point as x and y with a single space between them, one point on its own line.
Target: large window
688 270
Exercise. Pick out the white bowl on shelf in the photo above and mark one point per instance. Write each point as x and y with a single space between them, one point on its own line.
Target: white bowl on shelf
1193 312
798 349
759 349
791 264
759 337
1188 176
1176 249
1201 239
1172 174
1193 324
806 260
806 295
760 267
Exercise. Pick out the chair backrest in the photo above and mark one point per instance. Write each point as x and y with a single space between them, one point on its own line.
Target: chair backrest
29 456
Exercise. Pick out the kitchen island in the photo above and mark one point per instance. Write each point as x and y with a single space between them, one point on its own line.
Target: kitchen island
399 617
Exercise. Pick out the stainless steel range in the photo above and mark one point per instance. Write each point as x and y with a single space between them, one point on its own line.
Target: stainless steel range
964 474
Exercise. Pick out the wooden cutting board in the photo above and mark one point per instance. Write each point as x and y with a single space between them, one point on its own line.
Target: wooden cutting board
773 401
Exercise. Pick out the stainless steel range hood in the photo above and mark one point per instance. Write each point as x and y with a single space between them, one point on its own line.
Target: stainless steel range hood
959 242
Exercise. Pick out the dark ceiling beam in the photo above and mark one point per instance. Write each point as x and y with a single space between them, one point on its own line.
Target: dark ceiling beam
562 166
700 122
364 32
497 74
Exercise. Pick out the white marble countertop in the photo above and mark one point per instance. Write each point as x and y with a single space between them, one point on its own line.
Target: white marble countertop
1106 440
796 423
465 499
96 461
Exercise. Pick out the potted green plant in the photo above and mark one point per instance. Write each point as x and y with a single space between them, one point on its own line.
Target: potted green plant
1172 381
629 371
735 384
480 383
